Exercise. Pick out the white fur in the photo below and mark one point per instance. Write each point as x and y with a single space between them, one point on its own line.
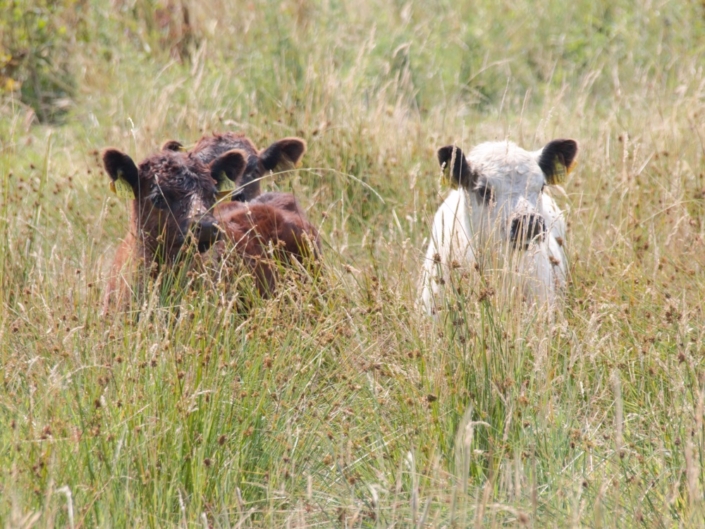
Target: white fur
469 235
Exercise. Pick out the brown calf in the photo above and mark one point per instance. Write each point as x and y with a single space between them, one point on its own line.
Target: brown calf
266 217
172 197
174 200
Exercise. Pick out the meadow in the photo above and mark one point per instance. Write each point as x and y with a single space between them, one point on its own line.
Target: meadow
337 403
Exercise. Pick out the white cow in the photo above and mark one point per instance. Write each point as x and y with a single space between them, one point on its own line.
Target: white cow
500 218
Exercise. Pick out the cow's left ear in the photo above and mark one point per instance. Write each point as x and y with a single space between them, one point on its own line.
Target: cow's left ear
557 159
283 155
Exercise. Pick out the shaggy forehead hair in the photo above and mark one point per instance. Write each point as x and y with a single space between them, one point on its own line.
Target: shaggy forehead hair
182 180
178 174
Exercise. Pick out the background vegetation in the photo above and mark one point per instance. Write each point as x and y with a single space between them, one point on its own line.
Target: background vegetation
337 404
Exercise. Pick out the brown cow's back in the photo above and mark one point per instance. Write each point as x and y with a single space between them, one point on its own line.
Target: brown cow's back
264 233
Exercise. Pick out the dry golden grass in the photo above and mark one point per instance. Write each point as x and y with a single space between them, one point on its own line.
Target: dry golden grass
336 403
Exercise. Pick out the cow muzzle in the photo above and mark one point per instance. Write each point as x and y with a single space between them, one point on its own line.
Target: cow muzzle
526 229
205 233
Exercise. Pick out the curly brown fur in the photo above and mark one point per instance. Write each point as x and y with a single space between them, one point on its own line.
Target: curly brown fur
174 194
264 234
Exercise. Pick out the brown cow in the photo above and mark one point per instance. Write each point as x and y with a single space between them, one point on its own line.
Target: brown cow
265 216
172 196
174 200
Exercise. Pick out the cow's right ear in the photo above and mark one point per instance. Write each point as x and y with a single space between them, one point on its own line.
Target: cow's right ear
455 167
283 155
228 168
124 178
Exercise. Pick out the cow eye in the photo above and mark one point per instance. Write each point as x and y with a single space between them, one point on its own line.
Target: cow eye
485 193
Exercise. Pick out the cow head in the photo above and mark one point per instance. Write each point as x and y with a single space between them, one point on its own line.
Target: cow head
505 185
282 155
173 195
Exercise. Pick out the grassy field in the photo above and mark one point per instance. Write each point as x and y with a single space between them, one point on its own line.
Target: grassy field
337 404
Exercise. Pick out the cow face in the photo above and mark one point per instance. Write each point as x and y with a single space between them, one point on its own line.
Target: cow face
282 155
505 185
173 195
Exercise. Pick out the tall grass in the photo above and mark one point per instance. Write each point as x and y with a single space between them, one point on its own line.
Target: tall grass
336 403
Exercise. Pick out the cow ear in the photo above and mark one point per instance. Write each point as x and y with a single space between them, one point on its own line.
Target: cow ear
123 173
227 168
283 155
173 145
456 169
557 159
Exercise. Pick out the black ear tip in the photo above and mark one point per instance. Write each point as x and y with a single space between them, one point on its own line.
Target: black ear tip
573 147
110 154
448 153
235 155
445 154
299 144
570 147
113 160
298 151
231 156
292 148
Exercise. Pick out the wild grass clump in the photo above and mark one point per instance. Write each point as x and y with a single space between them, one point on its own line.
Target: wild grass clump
335 402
